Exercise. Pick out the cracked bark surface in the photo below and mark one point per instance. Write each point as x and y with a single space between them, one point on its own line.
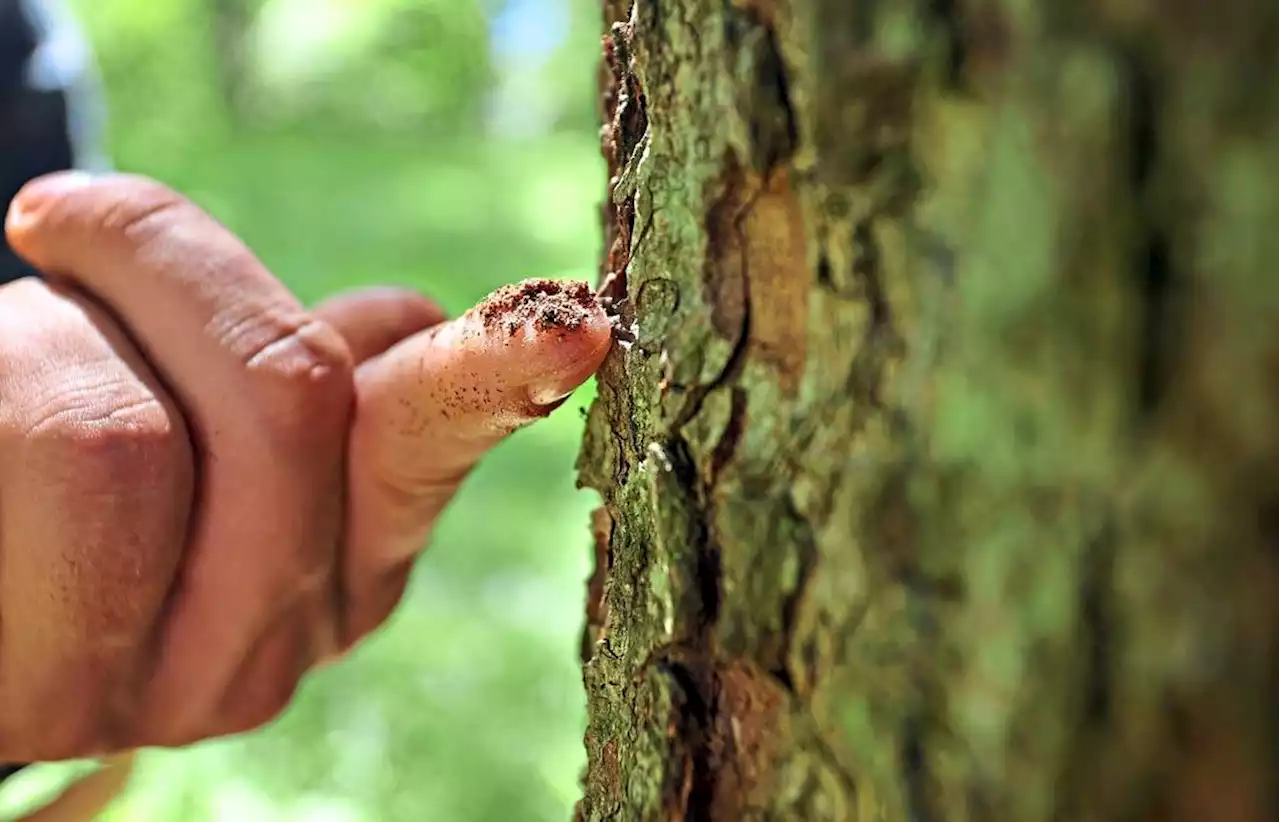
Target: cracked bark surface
939 481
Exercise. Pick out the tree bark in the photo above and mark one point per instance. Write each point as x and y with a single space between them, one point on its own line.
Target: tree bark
939 478
230 22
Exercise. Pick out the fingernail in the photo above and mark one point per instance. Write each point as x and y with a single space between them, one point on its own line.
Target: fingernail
549 394
38 193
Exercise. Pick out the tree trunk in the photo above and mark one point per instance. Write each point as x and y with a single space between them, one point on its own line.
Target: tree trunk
231 20
940 476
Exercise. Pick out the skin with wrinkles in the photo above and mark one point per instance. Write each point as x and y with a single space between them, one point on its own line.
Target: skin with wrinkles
205 488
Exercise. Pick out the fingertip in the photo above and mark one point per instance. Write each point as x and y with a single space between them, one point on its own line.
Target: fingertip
63 220
435 402
38 194
502 363
548 335
571 356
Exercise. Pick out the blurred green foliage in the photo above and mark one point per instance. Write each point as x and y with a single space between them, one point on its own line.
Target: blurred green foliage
448 145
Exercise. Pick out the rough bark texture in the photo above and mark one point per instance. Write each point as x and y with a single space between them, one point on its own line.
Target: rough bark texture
940 477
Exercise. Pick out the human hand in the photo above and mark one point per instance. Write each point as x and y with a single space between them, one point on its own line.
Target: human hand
205 489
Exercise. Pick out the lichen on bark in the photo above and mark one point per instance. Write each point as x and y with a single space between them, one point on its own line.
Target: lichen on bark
939 479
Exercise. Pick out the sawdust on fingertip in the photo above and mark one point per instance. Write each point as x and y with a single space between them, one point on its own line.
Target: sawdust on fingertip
548 305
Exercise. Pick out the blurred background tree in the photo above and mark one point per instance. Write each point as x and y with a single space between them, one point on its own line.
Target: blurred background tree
449 145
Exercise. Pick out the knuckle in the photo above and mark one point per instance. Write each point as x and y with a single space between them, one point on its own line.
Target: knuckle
305 370
117 432
68 720
261 702
140 208
264 709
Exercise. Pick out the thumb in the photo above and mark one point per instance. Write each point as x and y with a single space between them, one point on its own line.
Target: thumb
430 407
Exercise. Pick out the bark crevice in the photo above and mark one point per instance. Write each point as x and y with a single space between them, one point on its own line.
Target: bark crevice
1156 284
